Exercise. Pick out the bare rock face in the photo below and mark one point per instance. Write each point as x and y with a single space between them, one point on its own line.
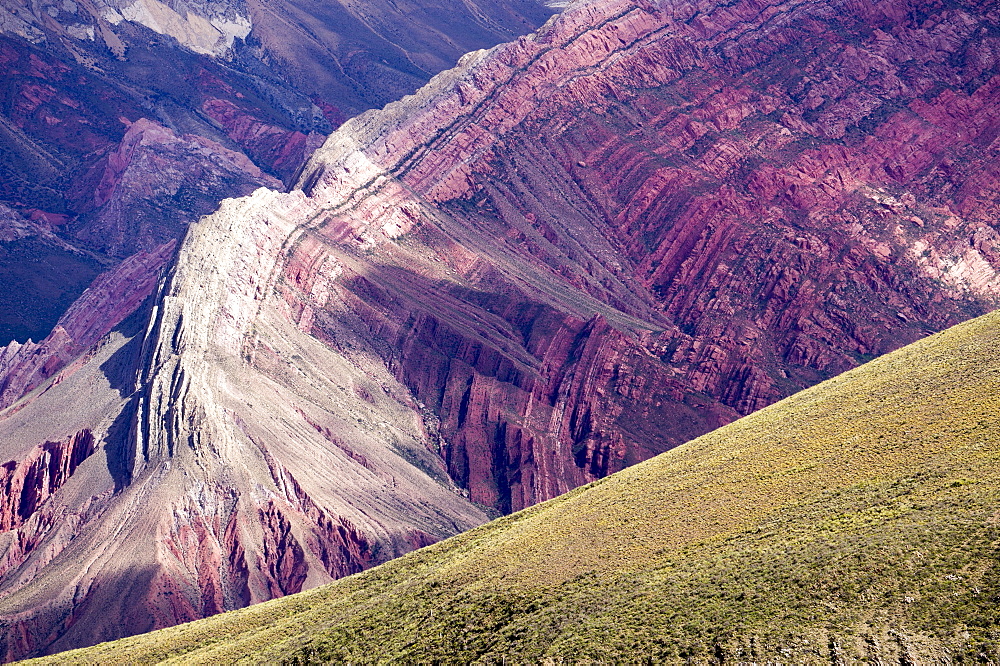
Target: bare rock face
29 483
155 184
585 247
81 79
238 458
111 298
566 255
285 151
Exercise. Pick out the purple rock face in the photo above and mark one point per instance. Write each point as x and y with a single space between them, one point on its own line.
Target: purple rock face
646 222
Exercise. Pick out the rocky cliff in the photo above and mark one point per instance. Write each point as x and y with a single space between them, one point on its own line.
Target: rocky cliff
564 256
592 244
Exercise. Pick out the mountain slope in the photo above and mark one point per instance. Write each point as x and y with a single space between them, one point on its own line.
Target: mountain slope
165 476
562 257
858 519
596 243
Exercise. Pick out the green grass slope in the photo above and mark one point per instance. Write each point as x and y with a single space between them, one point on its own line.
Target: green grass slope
859 519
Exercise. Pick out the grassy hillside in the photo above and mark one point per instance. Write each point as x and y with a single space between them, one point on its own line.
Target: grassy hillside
857 519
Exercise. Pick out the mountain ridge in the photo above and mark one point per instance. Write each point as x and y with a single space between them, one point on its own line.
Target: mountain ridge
853 218
266 82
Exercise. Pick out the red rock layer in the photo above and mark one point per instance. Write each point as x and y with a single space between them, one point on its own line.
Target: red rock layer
154 184
283 150
338 544
28 483
598 242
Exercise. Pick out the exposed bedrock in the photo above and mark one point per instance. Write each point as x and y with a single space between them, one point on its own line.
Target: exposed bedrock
122 121
154 184
587 246
137 202
28 483
112 297
566 255
236 458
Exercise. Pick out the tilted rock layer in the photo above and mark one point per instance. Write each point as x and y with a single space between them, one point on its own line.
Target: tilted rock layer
592 244
239 459
566 255
235 88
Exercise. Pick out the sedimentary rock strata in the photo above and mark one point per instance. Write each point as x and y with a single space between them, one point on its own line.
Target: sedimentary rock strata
192 95
591 244
225 474
568 254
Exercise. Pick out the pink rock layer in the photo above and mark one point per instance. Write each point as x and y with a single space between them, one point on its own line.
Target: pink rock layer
112 297
28 483
154 184
597 242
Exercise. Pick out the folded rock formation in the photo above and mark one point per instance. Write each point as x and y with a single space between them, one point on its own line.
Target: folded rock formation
564 256
171 107
592 244
239 459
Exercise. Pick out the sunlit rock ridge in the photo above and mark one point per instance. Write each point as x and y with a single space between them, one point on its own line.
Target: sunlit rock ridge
123 121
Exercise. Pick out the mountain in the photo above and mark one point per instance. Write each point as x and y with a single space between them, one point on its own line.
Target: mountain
120 125
568 254
179 90
631 228
855 521
171 473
